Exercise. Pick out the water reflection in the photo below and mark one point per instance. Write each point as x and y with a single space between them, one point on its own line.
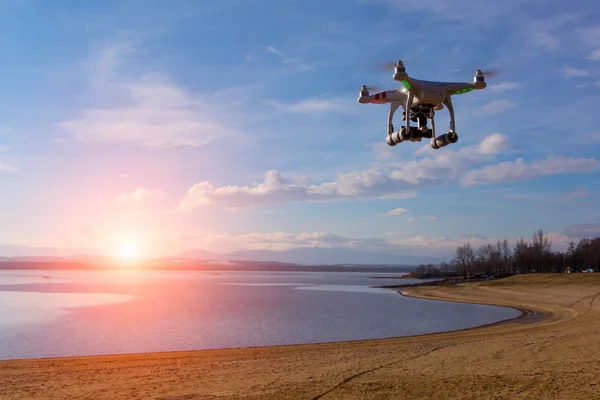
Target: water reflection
35 307
109 312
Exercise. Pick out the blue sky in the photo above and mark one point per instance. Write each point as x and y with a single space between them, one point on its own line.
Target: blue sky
234 125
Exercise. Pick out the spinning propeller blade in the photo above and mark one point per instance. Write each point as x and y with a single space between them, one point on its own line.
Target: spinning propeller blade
374 88
387 66
491 73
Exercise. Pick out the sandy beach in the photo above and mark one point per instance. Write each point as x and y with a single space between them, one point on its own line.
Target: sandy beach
551 352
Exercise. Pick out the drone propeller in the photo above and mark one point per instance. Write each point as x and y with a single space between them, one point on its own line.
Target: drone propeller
376 88
387 66
491 73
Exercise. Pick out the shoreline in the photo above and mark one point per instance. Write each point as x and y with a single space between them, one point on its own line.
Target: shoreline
549 351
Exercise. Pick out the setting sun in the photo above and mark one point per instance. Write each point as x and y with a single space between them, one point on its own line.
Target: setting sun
129 251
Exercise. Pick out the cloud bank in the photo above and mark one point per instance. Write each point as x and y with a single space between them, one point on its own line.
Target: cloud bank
394 180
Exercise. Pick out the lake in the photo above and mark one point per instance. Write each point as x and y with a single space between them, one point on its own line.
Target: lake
74 313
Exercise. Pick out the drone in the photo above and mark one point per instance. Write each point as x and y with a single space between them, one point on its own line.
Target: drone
420 100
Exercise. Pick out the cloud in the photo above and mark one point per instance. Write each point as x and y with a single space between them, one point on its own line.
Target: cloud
387 180
494 144
571 72
545 40
5 167
434 246
138 198
429 217
397 211
282 59
149 109
470 9
501 87
518 170
314 105
579 192
273 50
551 197
590 36
594 55
498 106
276 189
583 231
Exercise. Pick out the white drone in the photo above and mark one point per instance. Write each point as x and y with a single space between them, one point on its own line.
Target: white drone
420 99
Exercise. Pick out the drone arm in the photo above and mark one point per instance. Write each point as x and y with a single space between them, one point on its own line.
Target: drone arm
463 87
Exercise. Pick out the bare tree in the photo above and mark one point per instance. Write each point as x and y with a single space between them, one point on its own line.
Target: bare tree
464 258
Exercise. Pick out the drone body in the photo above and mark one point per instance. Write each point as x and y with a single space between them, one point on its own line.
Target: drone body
420 99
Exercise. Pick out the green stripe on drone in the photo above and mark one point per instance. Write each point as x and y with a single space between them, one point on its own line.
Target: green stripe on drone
465 90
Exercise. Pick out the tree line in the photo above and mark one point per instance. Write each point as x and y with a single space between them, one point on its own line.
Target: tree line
535 256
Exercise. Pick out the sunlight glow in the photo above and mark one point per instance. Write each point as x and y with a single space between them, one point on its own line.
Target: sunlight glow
129 251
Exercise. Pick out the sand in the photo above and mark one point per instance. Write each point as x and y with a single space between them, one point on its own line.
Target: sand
553 352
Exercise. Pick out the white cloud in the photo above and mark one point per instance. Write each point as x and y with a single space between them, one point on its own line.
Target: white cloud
590 36
275 189
157 112
594 55
545 40
462 9
494 144
314 105
498 106
5 167
571 72
583 230
387 180
397 211
579 192
283 59
139 197
273 50
415 245
504 86
429 217
518 170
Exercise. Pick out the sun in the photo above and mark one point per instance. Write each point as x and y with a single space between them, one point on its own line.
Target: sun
129 251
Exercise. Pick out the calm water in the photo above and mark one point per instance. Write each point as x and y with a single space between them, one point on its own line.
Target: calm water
71 313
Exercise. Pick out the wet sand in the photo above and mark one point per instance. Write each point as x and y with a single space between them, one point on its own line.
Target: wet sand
551 352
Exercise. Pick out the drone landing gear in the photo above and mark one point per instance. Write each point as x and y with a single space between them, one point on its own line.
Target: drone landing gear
446 138
416 134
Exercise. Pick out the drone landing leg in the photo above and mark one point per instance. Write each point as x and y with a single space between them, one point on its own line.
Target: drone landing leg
393 108
448 103
433 125
406 134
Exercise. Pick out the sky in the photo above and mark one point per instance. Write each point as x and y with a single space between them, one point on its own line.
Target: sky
233 125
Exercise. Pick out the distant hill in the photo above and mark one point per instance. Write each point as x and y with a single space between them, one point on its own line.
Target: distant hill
312 256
